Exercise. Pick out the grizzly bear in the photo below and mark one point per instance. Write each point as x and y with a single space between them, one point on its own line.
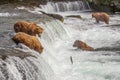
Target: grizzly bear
101 16
31 41
82 45
28 27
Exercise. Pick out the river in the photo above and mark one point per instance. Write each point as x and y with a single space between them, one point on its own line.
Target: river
57 39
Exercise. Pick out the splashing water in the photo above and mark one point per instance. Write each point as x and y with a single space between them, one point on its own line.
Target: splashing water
95 65
65 6
57 39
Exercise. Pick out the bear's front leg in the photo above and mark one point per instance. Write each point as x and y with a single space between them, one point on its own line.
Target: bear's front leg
97 21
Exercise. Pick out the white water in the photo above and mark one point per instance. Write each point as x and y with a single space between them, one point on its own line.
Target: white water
29 68
87 65
51 7
65 6
8 14
54 63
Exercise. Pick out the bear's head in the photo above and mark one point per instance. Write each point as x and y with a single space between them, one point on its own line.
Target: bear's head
16 38
79 44
82 45
40 49
93 15
76 43
38 30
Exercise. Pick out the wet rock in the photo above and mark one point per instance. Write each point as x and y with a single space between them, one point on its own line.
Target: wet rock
5 38
5 52
75 16
108 49
56 16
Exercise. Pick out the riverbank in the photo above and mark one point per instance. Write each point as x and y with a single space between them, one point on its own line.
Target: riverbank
105 6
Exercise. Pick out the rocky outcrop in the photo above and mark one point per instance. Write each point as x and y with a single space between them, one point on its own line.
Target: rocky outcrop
75 16
55 16
7 52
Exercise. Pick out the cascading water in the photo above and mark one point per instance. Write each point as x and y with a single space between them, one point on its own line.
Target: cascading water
65 6
87 65
57 39
95 65
31 66
14 68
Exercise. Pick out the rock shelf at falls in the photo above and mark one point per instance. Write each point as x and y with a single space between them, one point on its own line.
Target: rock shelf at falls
60 60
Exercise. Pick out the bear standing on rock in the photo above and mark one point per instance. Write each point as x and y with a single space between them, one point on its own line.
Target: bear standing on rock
31 41
101 16
27 27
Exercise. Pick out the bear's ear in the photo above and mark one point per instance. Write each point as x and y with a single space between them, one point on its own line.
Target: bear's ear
77 40
33 23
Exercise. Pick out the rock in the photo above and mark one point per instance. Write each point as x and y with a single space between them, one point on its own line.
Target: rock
56 16
5 52
75 16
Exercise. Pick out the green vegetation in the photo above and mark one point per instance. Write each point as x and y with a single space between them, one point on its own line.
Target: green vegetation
105 5
8 1
24 2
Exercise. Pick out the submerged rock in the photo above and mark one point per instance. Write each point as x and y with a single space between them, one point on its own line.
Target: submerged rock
75 16
108 49
56 16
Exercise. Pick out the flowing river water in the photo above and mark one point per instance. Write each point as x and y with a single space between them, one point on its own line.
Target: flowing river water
57 39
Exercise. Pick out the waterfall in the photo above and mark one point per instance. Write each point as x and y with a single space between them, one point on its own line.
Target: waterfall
57 39
54 30
29 68
38 67
65 6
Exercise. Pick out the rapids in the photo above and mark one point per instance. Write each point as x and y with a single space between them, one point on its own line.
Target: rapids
102 64
57 39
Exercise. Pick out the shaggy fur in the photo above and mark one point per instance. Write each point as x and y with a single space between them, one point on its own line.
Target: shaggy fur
82 45
101 16
27 27
30 41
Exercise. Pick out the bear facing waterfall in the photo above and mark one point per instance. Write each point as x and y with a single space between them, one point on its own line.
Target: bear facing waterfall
30 28
31 41
82 45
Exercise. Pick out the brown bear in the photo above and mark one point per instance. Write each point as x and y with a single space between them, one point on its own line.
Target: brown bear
82 45
31 41
101 16
27 27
